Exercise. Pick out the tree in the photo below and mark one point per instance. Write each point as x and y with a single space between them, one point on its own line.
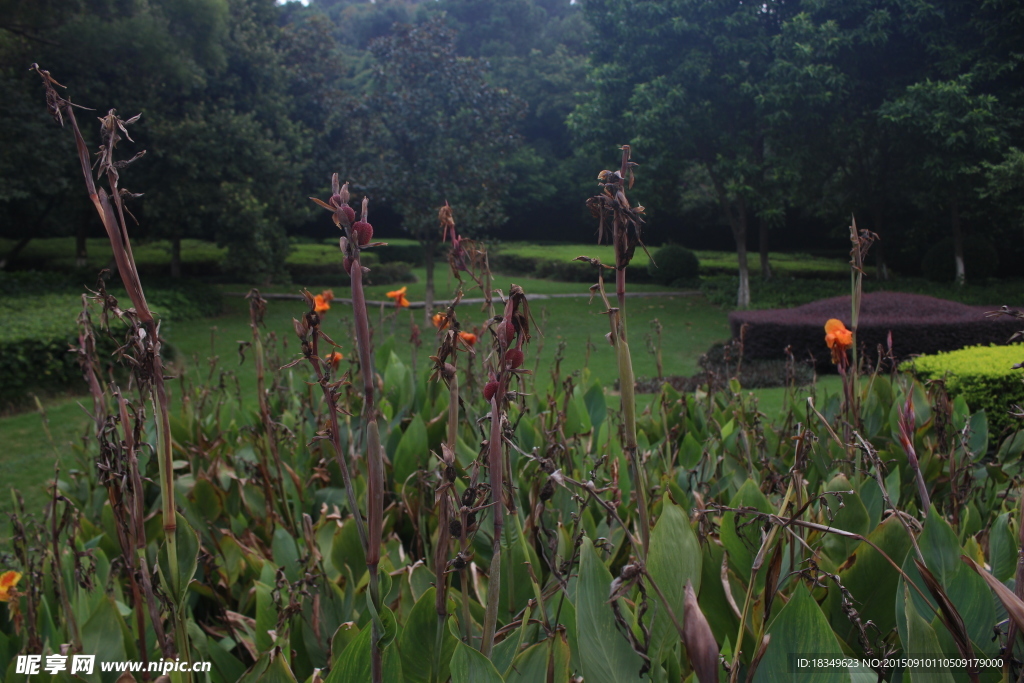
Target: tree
440 132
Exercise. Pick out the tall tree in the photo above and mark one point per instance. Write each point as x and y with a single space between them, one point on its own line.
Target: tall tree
440 132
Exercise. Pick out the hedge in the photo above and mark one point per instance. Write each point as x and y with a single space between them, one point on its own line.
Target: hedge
554 269
39 330
983 375
919 324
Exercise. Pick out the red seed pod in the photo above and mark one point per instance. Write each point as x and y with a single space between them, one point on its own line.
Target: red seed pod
513 358
490 389
363 232
347 263
506 330
349 212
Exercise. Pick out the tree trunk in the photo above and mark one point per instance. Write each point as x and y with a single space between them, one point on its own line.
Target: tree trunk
881 268
762 245
739 233
176 257
81 249
958 240
736 216
428 261
15 250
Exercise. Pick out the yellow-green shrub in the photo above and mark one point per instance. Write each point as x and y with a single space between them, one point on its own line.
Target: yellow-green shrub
983 375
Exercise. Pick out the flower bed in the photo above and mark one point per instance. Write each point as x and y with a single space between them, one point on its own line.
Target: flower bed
919 324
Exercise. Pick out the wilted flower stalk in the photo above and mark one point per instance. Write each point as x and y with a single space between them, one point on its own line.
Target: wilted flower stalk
906 422
110 208
358 234
511 332
611 206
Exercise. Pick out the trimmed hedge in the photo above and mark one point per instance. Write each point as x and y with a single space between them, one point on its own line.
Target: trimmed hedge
333 274
919 324
554 269
983 375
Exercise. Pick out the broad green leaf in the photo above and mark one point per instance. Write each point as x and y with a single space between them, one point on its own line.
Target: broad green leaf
103 636
978 440
689 452
412 451
229 666
674 559
342 638
871 580
278 671
354 664
853 516
597 408
266 616
606 655
940 548
711 598
505 651
531 665
469 666
800 629
187 560
1002 548
419 640
922 642
740 535
348 550
286 553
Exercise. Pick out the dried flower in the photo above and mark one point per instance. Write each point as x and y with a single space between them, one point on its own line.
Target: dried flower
335 359
8 580
440 320
399 296
468 337
838 338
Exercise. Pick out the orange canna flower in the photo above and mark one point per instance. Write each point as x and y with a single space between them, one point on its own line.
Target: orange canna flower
838 338
468 337
328 295
321 304
399 296
440 321
8 580
335 359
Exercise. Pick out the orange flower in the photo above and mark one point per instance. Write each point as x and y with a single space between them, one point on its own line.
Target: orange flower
468 337
440 321
321 304
334 359
838 338
399 296
328 295
8 580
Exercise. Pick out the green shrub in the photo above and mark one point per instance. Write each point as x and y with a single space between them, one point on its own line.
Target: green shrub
983 375
981 260
333 275
675 264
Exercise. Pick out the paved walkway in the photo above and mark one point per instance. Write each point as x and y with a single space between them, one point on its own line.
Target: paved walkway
479 300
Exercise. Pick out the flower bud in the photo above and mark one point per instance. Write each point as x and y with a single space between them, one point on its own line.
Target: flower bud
490 389
349 212
363 232
347 264
513 358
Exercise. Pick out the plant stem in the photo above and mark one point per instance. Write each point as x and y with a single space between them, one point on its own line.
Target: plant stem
628 402
496 471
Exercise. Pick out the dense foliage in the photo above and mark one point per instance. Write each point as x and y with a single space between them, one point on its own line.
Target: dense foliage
983 375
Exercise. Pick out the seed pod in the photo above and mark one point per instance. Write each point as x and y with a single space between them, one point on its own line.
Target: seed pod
513 358
547 491
337 201
455 528
347 263
449 473
363 232
349 212
506 331
470 521
459 562
469 496
490 389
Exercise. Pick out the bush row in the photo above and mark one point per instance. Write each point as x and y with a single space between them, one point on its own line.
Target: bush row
333 275
919 324
676 266
983 375
40 327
